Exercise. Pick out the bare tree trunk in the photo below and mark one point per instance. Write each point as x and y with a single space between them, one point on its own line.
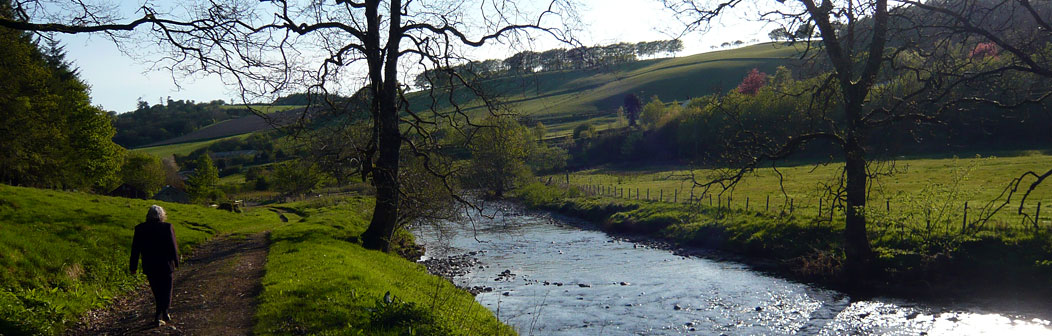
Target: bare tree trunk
385 177
856 243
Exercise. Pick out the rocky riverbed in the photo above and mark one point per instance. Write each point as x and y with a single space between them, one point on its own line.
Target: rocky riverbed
544 275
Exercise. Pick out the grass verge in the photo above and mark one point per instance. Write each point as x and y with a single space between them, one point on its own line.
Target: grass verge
64 253
319 280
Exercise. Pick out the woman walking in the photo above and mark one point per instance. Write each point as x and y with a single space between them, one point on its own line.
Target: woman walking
155 241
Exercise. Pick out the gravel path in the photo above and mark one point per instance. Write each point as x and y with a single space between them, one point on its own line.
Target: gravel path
215 294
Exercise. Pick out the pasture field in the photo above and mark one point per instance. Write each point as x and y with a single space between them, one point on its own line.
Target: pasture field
263 108
561 100
185 147
920 190
564 99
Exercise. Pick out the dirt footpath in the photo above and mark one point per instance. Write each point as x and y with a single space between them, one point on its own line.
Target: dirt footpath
215 294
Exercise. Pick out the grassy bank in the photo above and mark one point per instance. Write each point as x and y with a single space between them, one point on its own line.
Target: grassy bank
319 280
920 190
64 253
912 262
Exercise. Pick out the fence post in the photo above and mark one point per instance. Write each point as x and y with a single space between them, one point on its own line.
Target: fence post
648 194
1037 216
791 208
746 203
832 211
819 207
964 222
637 194
675 196
767 206
710 200
887 205
661 195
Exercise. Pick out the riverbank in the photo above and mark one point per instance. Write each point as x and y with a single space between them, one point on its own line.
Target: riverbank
64 254
1001 264
320 280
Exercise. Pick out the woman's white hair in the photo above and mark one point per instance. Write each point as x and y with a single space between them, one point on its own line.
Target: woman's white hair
156 213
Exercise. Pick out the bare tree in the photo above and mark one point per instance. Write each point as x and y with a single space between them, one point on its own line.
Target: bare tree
856 57
274 47
881 66
1019 34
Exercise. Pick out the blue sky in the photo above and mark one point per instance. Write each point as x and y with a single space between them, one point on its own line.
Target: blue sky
118 80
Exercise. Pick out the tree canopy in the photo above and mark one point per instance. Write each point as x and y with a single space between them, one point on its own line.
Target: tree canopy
50 134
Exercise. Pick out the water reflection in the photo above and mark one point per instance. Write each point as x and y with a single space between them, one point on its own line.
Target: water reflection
562 280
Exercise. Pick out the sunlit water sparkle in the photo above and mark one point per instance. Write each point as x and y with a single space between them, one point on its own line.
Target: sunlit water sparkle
713 297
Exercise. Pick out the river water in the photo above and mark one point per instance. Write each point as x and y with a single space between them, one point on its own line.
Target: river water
550 278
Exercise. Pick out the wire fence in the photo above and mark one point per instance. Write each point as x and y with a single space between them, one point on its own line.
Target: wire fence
825 209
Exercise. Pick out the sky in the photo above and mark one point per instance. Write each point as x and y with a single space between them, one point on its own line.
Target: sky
119 80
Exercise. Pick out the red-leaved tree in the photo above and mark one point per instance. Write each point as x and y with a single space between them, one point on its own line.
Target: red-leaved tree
984 50
752 82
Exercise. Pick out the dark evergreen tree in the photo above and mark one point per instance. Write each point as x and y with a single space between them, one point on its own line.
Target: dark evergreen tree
632 107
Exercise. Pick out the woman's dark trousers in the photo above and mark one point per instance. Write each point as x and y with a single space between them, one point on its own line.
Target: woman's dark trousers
161 284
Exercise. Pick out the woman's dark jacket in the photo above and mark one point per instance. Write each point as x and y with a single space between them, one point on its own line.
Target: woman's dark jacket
155 241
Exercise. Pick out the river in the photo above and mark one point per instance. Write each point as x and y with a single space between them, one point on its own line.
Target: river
551 278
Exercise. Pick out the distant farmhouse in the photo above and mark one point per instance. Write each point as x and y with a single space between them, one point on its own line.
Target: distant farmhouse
172 194
127 191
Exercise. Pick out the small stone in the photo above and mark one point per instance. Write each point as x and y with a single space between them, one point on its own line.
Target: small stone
506 294
758 308
677 307
624 283
584 285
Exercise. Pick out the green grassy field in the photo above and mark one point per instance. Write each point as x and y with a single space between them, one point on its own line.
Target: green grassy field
184 148
264 108
564 99
65 253
939 186
319 280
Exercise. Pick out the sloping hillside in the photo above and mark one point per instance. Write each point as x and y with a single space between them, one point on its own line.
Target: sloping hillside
242 125
564 99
